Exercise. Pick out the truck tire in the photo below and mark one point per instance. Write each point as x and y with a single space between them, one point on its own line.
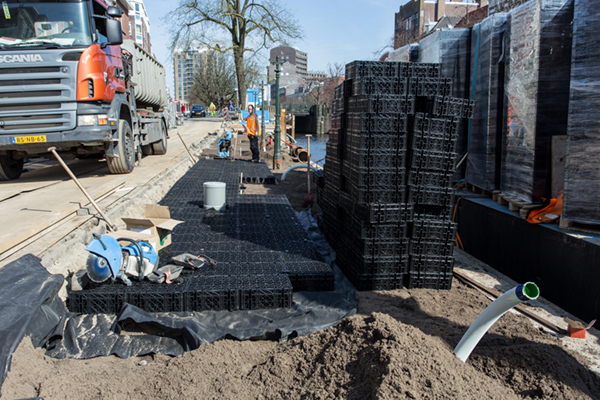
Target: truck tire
125 163
10 168
160 147
147 150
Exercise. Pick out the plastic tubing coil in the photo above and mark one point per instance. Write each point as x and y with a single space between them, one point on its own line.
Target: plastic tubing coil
485 320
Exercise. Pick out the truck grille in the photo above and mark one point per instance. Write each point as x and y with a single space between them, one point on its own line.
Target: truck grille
38 99
19 82
34 70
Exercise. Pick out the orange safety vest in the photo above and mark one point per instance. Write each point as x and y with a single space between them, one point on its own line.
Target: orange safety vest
253 127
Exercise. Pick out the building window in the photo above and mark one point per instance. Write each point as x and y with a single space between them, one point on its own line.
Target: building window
137 7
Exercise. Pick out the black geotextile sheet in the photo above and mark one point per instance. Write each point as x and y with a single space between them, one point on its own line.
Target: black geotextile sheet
29 305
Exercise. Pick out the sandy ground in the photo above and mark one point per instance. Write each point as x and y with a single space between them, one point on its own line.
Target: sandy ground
399 345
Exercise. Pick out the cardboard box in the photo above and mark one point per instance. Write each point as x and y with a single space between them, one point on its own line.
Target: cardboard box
138 236
155 227
576 329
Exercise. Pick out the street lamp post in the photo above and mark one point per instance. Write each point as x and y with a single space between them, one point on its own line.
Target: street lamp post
262 109
277 161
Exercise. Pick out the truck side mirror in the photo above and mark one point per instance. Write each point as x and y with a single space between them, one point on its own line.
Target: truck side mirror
114 12
114 33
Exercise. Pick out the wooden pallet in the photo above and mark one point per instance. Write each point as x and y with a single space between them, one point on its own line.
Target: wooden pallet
514 204
478 190
566 223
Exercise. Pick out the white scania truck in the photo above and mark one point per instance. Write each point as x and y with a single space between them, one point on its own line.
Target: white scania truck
67 80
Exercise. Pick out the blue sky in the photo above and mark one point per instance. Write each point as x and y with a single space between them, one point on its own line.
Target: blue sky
335 30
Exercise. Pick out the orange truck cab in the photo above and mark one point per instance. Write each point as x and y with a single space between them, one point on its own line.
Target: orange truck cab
67 80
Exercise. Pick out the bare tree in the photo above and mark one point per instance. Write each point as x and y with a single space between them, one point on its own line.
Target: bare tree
214 81
246 25
314 90
320 90
335 76
377 54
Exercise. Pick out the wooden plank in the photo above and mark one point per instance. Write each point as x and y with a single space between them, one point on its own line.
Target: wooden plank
566 223
521 308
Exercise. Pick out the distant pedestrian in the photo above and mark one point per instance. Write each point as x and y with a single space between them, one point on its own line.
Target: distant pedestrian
230 105
212 109
252 130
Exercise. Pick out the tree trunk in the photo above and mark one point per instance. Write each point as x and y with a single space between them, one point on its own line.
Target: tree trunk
238 58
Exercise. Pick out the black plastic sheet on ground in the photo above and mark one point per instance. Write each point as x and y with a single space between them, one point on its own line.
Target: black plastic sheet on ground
29 305
32 307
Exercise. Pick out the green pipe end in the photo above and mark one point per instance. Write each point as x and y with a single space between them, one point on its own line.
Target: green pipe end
531 291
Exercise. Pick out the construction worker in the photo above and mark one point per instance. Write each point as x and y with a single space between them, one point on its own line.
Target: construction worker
252 129
212 109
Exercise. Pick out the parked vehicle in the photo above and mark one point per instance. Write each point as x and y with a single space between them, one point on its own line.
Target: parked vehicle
197 111
66 81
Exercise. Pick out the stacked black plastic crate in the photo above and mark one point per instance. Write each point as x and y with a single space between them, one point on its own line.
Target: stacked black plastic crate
387 195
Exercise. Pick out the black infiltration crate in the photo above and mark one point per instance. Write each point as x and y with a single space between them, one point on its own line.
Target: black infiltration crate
375 201
385 213
95 302
364 282
429 281
263 291
428 264
432 160
257 242
433 229
433 196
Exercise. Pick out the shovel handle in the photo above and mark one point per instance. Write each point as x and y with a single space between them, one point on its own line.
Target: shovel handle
112 226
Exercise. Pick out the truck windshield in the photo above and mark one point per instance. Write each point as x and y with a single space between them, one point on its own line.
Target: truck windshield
44 23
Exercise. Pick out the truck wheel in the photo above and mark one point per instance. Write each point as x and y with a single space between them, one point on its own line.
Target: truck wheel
160 147
147 150
10 168
125 163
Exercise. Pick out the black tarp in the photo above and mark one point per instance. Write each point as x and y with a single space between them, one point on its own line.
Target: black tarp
31 307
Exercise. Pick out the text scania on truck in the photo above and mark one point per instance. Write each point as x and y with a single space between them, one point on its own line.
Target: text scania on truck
68 80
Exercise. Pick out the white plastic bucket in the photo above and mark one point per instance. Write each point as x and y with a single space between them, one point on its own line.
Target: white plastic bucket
214 195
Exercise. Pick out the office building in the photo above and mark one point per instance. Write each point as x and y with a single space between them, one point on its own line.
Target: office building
417 17
139 26
185 65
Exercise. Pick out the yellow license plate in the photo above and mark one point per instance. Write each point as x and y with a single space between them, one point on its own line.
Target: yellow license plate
29 139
